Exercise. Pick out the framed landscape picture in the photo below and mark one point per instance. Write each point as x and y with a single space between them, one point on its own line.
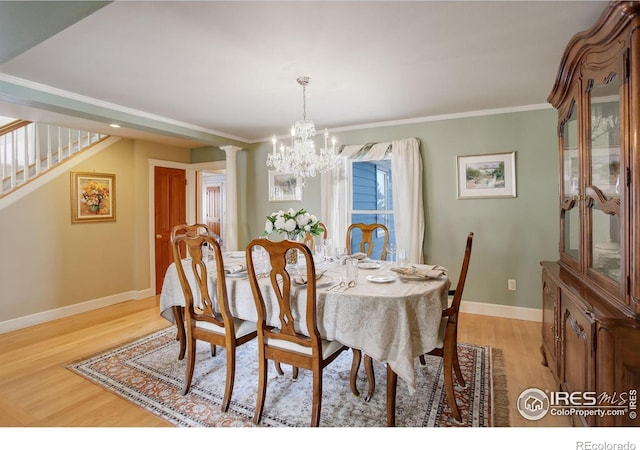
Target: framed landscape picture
93 197
487 176
284 187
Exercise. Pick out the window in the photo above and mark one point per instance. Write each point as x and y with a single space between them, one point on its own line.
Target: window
371 199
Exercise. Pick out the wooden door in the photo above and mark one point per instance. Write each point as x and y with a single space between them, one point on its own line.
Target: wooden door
170 210
214 209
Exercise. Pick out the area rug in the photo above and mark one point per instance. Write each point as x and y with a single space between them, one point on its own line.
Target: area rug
148 373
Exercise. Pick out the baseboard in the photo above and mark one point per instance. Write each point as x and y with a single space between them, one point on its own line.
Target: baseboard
508 312
59 313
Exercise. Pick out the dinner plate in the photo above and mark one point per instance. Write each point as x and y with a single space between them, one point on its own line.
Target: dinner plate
323 282
369 265
381 278
235 254
243 274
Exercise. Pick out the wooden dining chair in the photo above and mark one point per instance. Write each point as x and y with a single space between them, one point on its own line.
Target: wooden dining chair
178 312
309 239
286 342
209 321
366 241
447 346
366 246
189 230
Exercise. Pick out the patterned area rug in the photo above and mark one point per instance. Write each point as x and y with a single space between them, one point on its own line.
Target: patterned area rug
148 373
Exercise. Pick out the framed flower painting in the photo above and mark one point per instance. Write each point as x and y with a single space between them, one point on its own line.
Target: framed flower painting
93 197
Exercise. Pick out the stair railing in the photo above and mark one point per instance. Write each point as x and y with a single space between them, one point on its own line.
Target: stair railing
29 149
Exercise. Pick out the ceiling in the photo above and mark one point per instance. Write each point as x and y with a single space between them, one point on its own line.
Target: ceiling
195 71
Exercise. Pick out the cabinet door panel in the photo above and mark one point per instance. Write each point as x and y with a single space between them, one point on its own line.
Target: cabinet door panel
618 375
570 204
603 192
577 351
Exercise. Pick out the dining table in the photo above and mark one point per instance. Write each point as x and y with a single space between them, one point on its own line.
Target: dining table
391 317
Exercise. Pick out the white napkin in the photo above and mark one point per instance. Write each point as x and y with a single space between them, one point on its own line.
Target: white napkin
302 279
421 270
234 268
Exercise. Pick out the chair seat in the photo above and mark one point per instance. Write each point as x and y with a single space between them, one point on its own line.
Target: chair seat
328 347
242 327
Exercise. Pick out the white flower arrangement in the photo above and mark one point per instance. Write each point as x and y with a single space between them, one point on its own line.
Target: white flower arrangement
292 223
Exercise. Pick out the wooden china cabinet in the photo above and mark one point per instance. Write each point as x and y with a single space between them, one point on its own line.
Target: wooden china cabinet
591 295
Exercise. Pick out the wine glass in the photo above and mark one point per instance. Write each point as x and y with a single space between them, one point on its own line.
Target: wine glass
402 257
391 252
324 248
341 254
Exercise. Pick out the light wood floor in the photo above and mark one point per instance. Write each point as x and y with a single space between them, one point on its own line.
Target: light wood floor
36 390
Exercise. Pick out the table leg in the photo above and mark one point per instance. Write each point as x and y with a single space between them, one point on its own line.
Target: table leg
178 315
371 379
355 365
392 380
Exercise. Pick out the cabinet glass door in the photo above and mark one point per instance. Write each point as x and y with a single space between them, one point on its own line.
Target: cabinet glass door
603 190
570 208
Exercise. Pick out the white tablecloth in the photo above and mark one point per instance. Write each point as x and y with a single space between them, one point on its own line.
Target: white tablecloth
392 322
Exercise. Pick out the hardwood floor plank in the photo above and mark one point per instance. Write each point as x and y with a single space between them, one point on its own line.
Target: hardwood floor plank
36 389
520 341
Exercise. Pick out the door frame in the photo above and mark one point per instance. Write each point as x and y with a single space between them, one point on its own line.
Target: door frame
191 200
222 183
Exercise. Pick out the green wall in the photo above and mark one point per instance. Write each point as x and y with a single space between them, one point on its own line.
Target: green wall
512 235
206 154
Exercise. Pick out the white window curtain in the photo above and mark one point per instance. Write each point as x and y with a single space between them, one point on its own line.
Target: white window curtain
406 169
406 166
333 207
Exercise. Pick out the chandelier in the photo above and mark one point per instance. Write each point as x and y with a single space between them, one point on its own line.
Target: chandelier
300 158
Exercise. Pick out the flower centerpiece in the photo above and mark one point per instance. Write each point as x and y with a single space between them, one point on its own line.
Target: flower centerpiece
292 223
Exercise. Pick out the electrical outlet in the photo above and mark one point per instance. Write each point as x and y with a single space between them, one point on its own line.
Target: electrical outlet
511 284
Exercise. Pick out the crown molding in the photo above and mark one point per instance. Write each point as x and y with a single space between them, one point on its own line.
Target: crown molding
112 106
